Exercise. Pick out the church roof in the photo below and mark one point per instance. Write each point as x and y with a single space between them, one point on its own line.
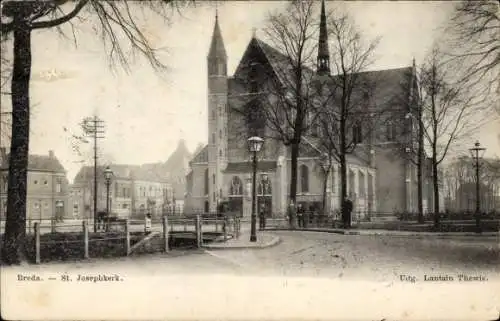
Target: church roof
217 49
246 167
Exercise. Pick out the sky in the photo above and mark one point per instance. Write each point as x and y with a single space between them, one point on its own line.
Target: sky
147 113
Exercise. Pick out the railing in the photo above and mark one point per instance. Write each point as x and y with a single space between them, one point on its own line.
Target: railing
47 239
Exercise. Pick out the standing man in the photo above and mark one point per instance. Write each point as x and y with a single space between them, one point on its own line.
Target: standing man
300 215
291 214
346 212
262 217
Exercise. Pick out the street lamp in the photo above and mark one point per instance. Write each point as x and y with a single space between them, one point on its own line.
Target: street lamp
254 146
108 173
476 153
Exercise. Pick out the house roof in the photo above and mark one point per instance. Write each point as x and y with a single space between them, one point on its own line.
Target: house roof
146 172
44 163
201 156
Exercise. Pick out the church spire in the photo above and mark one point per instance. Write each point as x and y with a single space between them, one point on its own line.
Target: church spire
217 49
323 62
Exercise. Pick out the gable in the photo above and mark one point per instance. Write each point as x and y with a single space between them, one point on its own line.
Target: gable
201 156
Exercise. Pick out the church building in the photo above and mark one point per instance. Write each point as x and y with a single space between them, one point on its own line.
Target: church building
381 180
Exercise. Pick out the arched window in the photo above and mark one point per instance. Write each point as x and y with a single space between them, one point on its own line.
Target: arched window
304 178
265 186
236 188
357 133
390 131
206 182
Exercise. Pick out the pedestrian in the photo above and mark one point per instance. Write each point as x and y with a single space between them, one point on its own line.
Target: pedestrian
147 224
291 213
300 215
346 212
262 217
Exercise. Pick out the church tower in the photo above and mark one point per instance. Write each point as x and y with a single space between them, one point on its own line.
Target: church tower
323 61
217 116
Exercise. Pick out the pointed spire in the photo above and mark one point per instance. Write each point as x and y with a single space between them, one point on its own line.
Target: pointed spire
323 62
217 49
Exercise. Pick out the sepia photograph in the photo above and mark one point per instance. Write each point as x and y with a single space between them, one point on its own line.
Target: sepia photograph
250 160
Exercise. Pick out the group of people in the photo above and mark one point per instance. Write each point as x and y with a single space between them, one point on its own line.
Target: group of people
303 216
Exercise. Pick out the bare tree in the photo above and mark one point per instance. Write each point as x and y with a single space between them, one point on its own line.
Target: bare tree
283 103
475 37
460 180
449 112
116 20
347 117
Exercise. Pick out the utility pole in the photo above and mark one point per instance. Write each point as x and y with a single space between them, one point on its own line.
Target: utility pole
94 127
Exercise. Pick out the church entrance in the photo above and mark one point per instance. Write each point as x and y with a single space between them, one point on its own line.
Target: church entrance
236 196
264 195
236 206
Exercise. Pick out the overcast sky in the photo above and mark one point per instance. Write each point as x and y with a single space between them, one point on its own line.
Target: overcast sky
146 113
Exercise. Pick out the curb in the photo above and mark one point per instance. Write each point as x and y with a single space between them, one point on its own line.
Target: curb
275 241
393 233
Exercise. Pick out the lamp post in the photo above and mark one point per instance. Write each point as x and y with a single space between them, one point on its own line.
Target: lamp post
476 153
254 146
108 173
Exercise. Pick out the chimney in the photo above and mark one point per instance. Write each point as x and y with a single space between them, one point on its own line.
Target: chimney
51 153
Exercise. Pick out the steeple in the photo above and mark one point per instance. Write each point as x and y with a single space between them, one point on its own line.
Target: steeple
323 62
217 49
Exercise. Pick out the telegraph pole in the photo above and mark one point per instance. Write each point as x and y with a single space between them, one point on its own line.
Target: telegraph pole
94 127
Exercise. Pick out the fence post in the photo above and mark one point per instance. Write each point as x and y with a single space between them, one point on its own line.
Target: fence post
85 240
165 233
37 243
225 228
185 225
52 225
127 236
198 230
29 226
216 224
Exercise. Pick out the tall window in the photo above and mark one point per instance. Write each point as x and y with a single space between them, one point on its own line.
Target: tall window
213 138
236 188
357 133
264 187
213 178
206 182
390 131
58 186
304 178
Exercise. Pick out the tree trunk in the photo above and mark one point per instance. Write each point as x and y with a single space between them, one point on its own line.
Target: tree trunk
13 251
343 184
421 163
325 185
293 181
435 186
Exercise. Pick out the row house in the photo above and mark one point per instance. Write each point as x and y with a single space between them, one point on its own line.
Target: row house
133 191
47 187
